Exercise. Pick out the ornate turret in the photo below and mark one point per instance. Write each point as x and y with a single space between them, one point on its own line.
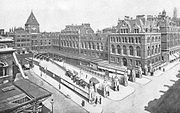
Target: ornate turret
32 25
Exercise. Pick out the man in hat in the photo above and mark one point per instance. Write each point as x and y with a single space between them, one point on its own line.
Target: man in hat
133 75
151 69
145 70
125 78
140 71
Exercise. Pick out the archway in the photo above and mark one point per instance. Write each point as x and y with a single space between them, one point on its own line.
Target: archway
124 61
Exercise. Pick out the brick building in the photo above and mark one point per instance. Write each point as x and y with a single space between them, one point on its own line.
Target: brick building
81 40
170 33
22 39
136 42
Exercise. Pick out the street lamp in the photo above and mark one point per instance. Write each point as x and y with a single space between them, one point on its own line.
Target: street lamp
52 102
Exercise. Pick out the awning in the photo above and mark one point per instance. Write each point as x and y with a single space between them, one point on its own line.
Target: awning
94 80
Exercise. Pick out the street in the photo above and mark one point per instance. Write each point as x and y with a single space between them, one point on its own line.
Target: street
136 102
61 103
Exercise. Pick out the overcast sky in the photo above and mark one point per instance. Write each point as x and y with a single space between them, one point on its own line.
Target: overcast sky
53 15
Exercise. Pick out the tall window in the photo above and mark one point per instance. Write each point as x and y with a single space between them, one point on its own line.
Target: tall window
117 39
139 39
148 50
89 45
131 51
97 46
126 39
156 49
159 49
114 40
82 45
148 39
113 48
102 46
152 51
132 39
129 39
138 49
93 46
124 50
118 49
136 40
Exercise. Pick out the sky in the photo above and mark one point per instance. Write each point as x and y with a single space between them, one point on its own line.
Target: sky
53 15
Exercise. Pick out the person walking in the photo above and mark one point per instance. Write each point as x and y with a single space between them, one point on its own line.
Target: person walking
133 75
99 99
96 100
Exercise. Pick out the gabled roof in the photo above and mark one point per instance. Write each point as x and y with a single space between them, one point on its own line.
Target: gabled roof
32 20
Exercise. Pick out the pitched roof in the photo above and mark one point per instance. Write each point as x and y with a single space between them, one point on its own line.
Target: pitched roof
32 20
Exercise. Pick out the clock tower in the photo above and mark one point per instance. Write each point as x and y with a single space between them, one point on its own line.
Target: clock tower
32 25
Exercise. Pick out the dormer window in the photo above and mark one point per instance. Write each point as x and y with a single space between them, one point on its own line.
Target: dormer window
136 30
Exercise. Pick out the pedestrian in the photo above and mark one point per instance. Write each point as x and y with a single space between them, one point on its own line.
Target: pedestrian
96 100
86 76
99 99
59 86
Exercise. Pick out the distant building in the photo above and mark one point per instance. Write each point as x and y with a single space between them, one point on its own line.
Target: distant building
22 39
32 25
170 33
81 40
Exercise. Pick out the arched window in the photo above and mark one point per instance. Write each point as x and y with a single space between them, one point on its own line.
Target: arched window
124 61
132 39
122 39
124 50
70 44
117 39
152 51
131 51
136 40
93 46
73 44
129 39
152 39
85 45
125 39
148 39
114 40
138 49
139 39
89 45
159 49
77 45
102 46
82 45
113 48
118 49
156 49
97 46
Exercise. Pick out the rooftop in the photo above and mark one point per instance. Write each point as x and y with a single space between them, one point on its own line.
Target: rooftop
23 88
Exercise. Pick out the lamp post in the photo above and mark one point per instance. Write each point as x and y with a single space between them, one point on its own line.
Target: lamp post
52 102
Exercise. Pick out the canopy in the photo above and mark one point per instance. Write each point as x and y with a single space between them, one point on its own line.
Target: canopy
94 80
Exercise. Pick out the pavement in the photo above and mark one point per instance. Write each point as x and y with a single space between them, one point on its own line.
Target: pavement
134 97
124 91
136 102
